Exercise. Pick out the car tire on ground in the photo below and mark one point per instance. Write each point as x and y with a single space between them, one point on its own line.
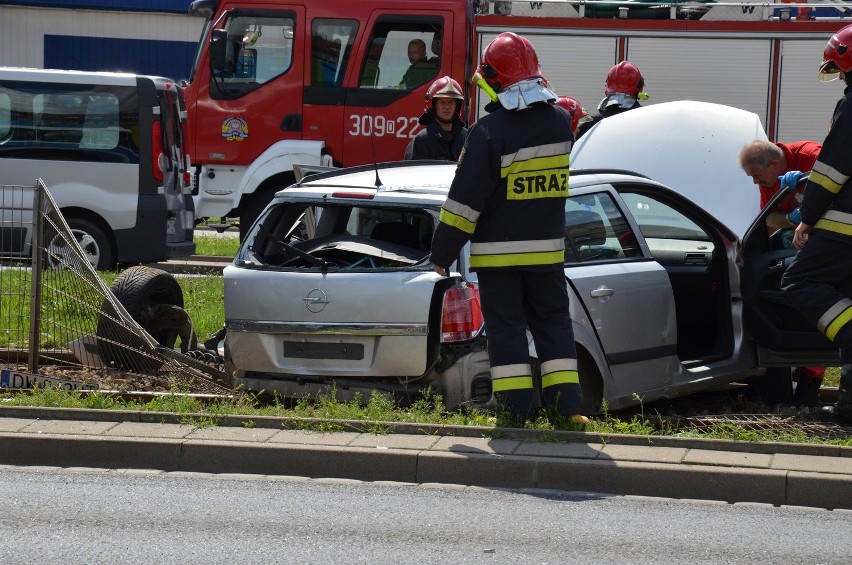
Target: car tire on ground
774 387
137 288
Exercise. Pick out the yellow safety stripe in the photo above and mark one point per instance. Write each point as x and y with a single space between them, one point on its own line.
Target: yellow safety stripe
511 383
827 177
836 227
536 164
462 210
527 153
832 313
838 323
560 378
517 259
456 221
546 183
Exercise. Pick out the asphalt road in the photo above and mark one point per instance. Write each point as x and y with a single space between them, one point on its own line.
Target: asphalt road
77 516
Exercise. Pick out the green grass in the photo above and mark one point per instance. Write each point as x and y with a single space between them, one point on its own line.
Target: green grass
213 246
378 412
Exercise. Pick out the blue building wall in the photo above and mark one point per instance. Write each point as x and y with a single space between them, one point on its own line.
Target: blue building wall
139 56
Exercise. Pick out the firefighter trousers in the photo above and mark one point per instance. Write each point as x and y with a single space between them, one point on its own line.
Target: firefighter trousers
819 285
512 301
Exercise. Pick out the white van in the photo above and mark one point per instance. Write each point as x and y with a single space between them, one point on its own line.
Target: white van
111 150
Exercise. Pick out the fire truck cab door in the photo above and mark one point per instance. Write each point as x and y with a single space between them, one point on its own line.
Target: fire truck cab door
400 56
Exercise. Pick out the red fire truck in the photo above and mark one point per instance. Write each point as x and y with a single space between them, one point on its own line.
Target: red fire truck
279 83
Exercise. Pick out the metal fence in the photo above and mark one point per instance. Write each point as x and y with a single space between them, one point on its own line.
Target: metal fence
59 321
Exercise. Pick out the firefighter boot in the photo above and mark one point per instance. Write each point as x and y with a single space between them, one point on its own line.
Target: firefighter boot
564 399
841 412
518 403
807 390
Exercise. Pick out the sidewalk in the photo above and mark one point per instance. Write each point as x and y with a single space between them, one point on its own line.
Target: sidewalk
772 473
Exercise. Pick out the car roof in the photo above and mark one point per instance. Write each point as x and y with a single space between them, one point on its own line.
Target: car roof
691 147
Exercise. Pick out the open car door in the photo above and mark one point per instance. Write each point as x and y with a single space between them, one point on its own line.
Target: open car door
782 334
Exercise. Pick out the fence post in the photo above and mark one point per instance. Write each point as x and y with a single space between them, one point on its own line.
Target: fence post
36 245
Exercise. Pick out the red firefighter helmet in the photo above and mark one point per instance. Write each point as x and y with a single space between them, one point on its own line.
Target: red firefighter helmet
578 113
624 78
837 55
508 59
445 87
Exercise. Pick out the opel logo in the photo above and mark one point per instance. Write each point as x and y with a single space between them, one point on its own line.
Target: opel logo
315 300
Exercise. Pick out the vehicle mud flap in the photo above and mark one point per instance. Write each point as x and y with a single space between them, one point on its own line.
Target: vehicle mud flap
140 290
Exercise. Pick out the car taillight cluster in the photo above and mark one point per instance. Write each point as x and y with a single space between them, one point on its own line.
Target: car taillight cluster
461 314
156 150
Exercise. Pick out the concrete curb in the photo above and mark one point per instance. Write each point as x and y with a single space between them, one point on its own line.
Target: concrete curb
516 459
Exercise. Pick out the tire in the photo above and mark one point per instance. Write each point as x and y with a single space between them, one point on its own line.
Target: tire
774 387
253 208
137 288
96 245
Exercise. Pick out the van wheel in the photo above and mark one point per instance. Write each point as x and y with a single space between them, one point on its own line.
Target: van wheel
141 290
93 241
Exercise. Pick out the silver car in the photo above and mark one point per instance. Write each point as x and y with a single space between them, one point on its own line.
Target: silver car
333 283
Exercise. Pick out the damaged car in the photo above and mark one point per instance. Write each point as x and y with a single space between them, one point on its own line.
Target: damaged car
672 274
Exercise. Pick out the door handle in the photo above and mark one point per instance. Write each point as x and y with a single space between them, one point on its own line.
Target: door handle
602 291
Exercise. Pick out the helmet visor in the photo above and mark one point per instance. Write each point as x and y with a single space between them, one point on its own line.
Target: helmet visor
618 99
828 71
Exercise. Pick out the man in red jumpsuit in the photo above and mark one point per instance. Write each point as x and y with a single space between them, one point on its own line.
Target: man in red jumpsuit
768 164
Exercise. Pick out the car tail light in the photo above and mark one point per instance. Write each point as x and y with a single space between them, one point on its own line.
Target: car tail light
361 195
157 150
461 314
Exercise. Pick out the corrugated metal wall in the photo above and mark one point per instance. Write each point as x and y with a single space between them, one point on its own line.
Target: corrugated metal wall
139 42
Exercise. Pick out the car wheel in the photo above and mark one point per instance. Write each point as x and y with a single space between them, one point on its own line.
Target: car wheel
591 384
95 243
774 387
140 290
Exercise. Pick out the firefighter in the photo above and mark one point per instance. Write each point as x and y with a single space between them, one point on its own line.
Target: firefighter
445 131
579 115
771 166
819 282
508 199
623 89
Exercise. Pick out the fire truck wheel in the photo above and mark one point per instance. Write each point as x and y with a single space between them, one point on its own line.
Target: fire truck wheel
254 207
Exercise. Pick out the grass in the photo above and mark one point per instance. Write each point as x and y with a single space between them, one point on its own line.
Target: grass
213 246
378 412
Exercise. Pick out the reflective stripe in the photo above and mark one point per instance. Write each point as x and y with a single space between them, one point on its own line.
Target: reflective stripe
517 259
827 177
524 246
828 322
455 221
511 383
560 378
527 153
558 365
503 371
836 221
462 210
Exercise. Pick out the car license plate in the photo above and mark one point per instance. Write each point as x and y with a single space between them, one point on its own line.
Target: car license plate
20 380
303 350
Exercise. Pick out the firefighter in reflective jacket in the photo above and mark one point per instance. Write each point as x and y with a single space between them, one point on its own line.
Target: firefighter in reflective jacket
819 282
508 199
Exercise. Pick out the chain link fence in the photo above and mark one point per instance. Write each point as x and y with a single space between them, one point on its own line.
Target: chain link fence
59 321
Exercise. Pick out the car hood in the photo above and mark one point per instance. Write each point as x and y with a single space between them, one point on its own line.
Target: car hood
691 147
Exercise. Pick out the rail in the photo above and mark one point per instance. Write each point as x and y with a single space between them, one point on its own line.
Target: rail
780 10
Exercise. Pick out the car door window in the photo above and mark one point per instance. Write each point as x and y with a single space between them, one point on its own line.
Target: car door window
672 237
595 230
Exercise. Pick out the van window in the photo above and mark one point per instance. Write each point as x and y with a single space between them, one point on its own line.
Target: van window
76 123
403 54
